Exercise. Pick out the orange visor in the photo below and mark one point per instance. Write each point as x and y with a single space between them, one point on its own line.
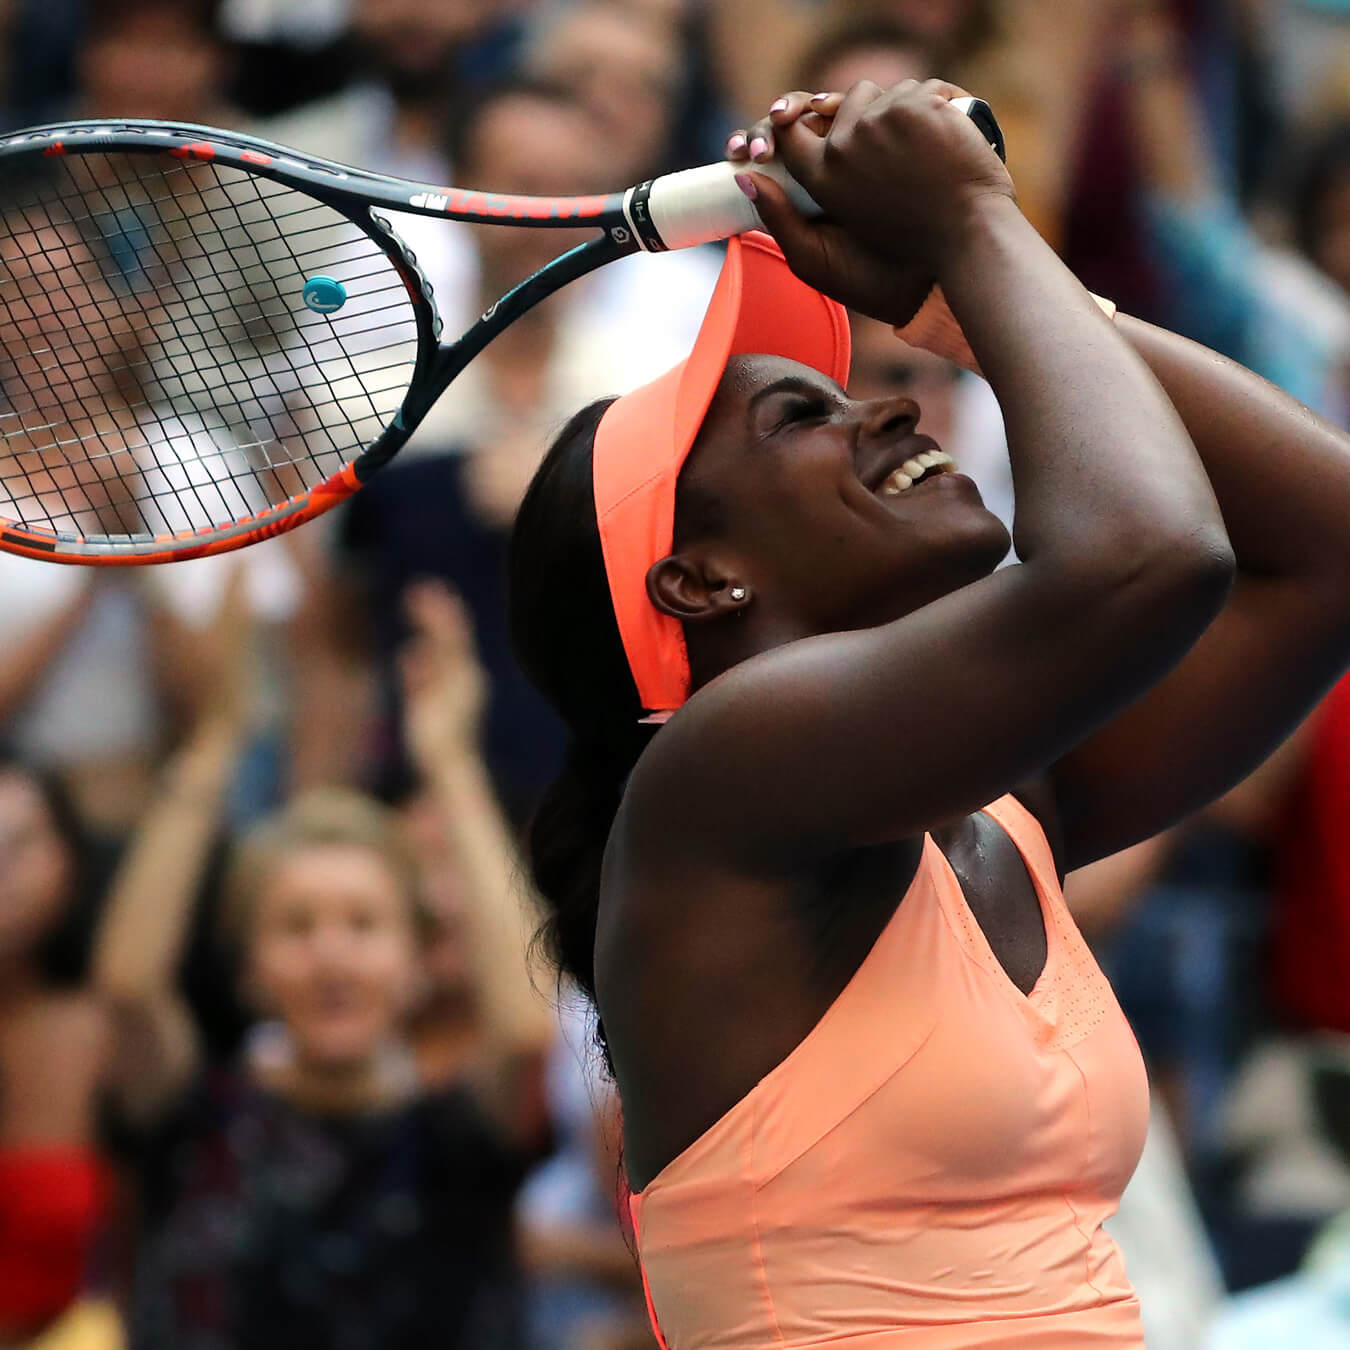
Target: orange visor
645 437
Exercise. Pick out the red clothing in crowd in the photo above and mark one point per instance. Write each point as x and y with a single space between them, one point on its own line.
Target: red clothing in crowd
1311 939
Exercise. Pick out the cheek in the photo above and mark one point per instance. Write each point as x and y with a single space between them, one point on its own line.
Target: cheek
390 968
41 878
278 970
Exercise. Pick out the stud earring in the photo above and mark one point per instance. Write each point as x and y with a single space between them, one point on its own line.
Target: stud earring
738 593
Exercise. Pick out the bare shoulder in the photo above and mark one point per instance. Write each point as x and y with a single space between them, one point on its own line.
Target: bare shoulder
54 1057
75 1023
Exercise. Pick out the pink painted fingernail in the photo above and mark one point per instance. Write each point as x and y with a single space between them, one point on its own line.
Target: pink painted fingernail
735 144
759 146
819 98
747 185
780 106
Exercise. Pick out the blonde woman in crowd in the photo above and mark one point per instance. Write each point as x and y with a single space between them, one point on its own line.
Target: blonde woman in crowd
342 1185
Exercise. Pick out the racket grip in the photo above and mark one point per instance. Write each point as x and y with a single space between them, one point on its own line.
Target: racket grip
698 206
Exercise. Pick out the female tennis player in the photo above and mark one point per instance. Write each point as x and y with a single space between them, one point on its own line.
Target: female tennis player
829 764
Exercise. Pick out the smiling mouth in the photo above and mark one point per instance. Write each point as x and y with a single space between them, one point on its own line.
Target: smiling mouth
929 464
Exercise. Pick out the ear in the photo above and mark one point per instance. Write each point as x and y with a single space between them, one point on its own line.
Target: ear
695 587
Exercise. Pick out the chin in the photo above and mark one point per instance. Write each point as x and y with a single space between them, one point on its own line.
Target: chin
337 1051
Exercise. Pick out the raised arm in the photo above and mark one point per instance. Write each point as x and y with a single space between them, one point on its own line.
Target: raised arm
1282 478
859 737
443 694
149 907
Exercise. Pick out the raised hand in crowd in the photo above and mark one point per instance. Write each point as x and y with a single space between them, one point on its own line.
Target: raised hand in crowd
445 692
149 907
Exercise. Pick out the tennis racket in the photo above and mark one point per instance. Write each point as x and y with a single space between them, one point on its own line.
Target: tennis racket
207 339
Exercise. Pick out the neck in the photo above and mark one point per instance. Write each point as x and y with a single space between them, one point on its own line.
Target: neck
382 1078
525 347
717 647
536 328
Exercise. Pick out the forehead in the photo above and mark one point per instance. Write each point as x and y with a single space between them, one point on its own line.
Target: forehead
746 376
331 871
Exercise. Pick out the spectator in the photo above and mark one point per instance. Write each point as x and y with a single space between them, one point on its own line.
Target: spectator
56 1062
154 58
954 30
625 67
1263 307
586 1287
75 695
89 670
1158 1225
393 119
318 1193
1321 204
1308 1308
38 40
865 47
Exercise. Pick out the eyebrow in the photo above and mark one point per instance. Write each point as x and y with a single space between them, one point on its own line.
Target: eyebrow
794 384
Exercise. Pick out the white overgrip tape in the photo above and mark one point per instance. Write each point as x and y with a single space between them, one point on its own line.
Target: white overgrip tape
698 206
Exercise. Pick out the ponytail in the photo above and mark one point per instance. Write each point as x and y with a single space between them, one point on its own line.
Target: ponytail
567 641
565 845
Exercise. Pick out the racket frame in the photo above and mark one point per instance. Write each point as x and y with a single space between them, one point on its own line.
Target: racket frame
358 196
674 211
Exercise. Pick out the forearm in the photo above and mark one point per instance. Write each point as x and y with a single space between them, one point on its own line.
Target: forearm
1281 473
150 904
28 658
497 914
1102 464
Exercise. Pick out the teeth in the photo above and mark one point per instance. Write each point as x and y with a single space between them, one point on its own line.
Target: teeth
912 470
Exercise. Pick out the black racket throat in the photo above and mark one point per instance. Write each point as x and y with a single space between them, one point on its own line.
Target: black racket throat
443 363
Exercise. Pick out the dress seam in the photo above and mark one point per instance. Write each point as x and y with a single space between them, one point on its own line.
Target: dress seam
757 1241
1077 1223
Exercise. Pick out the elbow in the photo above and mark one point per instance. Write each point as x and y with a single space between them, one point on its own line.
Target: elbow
1205 566
1174 580
1186 577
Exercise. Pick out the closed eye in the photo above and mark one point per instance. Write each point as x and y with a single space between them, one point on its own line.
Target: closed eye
803 409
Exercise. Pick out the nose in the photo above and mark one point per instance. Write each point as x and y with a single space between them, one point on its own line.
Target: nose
887 418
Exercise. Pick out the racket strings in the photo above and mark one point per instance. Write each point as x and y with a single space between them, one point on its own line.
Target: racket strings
159 369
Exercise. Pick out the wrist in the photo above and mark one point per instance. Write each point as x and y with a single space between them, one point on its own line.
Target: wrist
457 770
985 218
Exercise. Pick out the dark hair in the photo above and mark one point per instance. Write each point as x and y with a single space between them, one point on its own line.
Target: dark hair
105 18
849 33
472 110
861 23
567 642
1326 163
62 954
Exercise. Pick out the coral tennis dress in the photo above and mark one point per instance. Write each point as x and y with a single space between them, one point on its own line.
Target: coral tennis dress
930 1168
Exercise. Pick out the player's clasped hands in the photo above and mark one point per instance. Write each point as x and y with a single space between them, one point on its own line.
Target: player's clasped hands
900 175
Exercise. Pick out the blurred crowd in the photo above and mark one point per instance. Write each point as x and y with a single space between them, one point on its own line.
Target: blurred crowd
277 1063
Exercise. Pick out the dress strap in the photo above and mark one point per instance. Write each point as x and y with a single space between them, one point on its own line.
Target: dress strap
1022 827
